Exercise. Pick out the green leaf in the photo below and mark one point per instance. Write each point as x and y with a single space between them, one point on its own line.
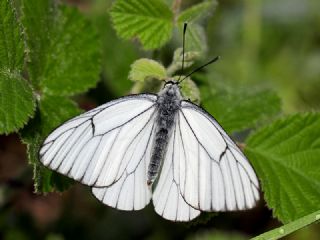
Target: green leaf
64 52
150 85
116 53
195 36
11 39
189 89
151 21
196 40
52 116
239 108
198 11
286 158
49 117
74 57
17 103
146 68
38 34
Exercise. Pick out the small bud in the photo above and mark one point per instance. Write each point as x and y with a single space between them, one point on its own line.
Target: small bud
189 90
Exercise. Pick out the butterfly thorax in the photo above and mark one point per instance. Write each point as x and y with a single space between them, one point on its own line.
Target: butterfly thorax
168 105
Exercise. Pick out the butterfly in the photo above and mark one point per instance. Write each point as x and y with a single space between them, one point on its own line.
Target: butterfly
154 146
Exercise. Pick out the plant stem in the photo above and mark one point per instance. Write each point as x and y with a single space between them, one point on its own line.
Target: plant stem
290 227
176 5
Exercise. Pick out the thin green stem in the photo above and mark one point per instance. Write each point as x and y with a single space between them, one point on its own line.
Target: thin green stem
290 227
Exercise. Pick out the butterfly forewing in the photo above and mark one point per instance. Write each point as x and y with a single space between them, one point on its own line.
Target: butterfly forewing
97 147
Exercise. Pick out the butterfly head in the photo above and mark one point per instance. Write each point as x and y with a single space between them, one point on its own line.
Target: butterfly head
172 85
171 82
171 88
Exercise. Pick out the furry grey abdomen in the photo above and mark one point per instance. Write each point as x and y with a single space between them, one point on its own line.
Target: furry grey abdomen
168 105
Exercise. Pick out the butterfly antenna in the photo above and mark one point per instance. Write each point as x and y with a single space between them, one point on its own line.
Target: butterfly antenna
183 46
199 68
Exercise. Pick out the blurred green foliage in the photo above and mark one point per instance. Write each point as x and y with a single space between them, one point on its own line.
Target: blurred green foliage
52 53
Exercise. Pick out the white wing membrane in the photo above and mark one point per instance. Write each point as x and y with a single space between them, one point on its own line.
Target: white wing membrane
218 177
99 147
203 170
130 190
167 198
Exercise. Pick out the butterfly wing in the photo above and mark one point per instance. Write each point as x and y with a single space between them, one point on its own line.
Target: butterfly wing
106 146
168 199
208 169
130 190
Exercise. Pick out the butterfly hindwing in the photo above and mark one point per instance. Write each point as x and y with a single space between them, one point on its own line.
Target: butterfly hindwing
167 197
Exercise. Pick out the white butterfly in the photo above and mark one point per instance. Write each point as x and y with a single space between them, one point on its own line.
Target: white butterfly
160 147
